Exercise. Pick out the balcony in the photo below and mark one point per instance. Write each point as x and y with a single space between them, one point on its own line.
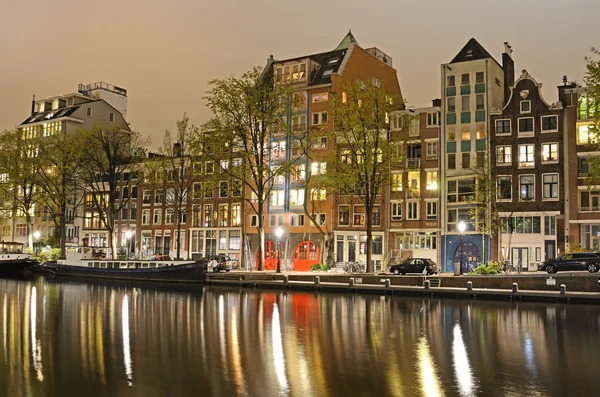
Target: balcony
413 163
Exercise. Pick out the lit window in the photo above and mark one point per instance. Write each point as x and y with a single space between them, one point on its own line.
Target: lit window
550 152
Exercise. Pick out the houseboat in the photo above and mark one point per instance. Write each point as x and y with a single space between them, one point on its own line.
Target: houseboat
13 261
81 262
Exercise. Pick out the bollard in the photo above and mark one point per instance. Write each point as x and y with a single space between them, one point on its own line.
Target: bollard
286 279
515 287
351 282
427 284
386 283
469 286
563 289
317 280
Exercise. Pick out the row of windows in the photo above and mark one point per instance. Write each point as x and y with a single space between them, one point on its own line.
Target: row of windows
549 154
207 242
526 125
550 186
412 210
465 79
465 102
528 225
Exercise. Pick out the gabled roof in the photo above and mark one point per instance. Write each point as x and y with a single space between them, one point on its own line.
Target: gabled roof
472 51
346 41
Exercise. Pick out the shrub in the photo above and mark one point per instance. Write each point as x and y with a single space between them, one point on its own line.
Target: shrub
492 267
319 267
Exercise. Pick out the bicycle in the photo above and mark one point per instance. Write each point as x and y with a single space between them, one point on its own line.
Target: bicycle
352 267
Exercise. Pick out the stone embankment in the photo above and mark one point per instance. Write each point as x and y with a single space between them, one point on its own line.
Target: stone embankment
574 288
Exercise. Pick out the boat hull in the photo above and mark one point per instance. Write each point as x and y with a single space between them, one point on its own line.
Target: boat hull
184 273
16 267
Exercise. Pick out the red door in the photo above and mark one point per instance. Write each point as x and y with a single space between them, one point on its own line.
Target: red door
270 256
306 254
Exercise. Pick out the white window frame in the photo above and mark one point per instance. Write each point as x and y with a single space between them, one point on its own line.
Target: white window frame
497 188
520 189
319 118
296 220
435 117
507 163
509 127
415 214
525 165
542 123
525 133
521 107
431 205
544 198
432 144
349 212
396 211
542 153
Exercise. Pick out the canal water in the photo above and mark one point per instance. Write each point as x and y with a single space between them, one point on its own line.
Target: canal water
73 338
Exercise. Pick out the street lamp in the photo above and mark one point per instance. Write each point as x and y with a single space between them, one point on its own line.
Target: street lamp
128 237
36 244
278 233
461 228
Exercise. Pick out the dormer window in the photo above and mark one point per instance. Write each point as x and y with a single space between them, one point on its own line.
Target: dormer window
292 73
69 101
525 106
333 61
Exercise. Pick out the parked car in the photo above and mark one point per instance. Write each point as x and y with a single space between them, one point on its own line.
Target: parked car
589 261
216 263
415 265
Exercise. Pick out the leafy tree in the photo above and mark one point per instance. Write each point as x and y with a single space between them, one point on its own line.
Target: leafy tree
60 157
19 162
108 156
248 111
365 148
172 172
590 107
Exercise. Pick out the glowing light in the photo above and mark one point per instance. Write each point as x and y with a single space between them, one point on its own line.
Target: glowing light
462 368
36 348
278 358
427 370
126 342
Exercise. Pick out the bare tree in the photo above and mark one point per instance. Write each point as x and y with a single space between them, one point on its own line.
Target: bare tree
111 159
171 171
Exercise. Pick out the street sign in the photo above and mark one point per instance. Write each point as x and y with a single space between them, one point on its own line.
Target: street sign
550 281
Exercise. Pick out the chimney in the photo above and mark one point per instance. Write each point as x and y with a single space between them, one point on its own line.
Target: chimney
33 105
508 65
437 102
565 80
177 149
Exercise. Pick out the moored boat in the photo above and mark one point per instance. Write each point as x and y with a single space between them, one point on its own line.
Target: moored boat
13 261
81 262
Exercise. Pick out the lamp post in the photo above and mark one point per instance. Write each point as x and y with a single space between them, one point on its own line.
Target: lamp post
278 233
36 236
461 228
128 237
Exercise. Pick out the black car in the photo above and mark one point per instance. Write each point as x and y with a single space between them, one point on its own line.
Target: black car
414 265
216 263
589 261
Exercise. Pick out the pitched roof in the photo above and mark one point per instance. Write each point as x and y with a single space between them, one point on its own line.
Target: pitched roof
346 41
51 114
472 51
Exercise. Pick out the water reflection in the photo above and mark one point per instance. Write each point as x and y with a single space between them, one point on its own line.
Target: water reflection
107 339
462 368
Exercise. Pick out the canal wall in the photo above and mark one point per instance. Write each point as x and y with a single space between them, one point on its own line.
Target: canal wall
558 288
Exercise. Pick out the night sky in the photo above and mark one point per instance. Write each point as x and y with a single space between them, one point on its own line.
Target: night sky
164 52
